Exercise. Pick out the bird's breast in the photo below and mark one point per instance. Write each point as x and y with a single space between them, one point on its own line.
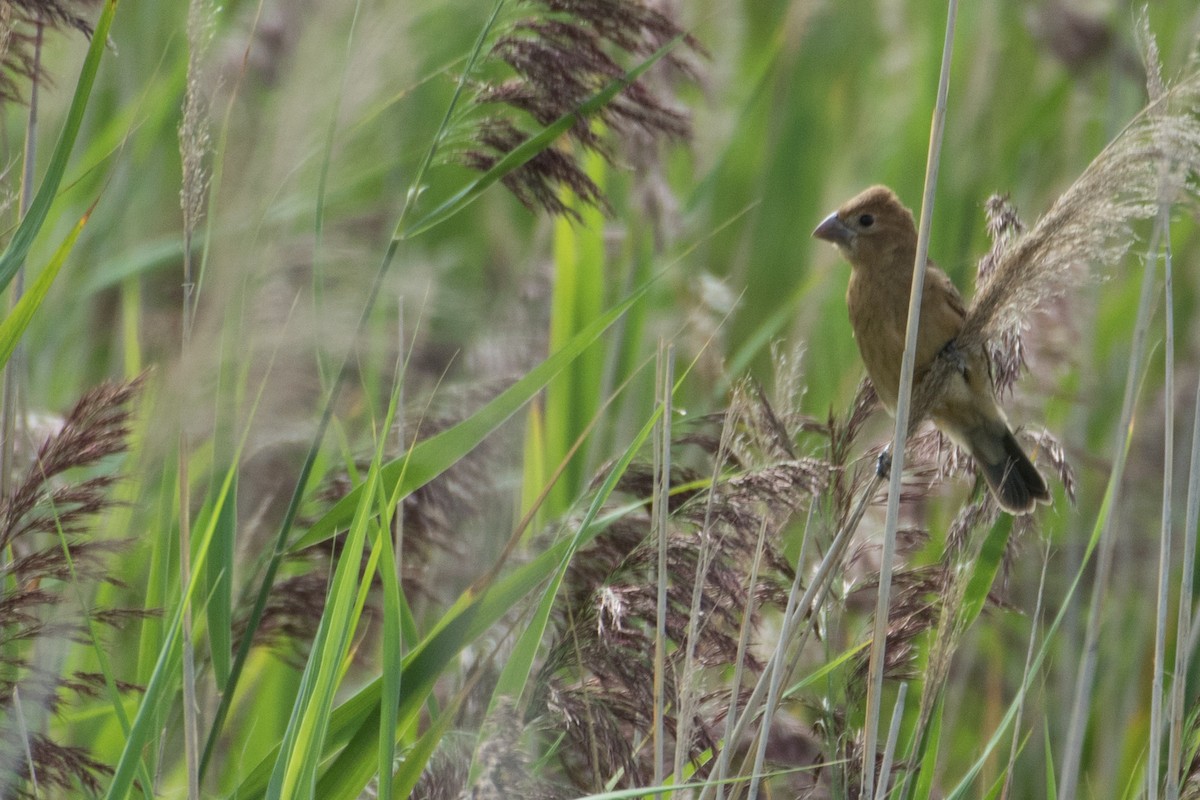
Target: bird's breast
879 332
879 317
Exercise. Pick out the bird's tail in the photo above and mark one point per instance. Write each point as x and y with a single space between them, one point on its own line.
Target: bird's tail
1012 477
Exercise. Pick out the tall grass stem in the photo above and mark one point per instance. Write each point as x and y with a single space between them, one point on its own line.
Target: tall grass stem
889 749
887 558
739 668
709 545
661 507
775 670
1185 629
1168 477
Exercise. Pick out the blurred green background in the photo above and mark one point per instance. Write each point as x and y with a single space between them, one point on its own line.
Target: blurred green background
318 129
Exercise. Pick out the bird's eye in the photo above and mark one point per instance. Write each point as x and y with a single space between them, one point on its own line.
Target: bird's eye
866 220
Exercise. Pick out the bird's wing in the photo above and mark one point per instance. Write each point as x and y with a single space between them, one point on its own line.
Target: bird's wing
943 286
942 314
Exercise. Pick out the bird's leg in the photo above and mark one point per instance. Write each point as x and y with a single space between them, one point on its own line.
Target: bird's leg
883 465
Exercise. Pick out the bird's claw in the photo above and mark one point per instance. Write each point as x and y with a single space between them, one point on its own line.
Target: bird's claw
883 465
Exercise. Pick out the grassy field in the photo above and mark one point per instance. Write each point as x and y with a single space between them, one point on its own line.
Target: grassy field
448 399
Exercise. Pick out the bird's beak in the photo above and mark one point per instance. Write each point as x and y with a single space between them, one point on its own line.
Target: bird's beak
833 230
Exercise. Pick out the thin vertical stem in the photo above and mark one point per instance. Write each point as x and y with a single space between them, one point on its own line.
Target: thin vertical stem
398 519
708 547
1036 617
191 707
662 463
193 147
1183 632
1164 545
879 634
889 749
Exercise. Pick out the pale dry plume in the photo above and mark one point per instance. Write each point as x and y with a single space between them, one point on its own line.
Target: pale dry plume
1090 227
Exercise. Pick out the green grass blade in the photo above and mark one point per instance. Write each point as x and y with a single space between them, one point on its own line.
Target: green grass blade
419 181
392 646
933 737
18 247
304 742
983 575
164 676
1185 622
519 665
578 297
477 610
294 774
218 578
391 665
1051 783
14 324
826 668
145 724
355 725
1002 781
1106 508
417 756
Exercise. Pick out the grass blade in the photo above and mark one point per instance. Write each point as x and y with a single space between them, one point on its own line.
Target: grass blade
18 247
165 674
294 775
14 324
1185 625
218 580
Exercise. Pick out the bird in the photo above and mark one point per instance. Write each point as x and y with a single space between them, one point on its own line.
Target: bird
876 233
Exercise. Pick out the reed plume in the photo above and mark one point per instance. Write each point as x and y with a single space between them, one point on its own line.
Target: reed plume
45 523
560 54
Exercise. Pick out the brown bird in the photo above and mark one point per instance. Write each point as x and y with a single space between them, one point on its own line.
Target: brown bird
876 234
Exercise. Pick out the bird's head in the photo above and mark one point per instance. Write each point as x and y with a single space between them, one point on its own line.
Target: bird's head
872 229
